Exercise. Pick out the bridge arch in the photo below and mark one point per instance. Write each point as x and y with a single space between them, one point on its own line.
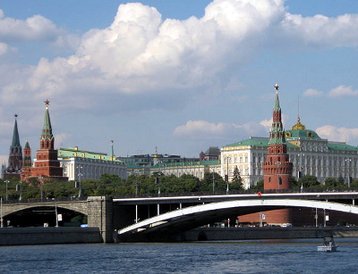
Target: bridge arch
44 213
9 209
195 216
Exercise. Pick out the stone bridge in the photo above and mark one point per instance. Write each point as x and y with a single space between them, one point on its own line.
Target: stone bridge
98 210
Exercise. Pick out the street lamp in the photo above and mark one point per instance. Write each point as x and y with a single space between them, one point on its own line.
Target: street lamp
299 172
136 188
213 182
6 190
79 185
227 175
348 161
19 189
41 188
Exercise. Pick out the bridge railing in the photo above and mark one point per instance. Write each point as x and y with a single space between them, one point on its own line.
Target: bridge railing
34 200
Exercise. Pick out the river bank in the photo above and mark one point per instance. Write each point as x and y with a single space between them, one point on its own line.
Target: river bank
78 235
258 233
48 235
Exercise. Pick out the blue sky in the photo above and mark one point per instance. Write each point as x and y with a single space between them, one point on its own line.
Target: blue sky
177 75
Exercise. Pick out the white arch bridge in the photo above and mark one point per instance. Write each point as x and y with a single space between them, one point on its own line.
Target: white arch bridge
201 214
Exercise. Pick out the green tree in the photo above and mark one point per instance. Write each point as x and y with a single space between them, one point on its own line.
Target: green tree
236 183
309 182
258 187
212 183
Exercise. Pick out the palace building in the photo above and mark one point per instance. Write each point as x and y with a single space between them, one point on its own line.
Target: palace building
81 164
308 152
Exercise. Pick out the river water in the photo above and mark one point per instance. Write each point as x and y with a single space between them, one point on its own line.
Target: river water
295 256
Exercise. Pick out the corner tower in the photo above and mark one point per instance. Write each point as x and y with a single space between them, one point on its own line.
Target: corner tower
277 168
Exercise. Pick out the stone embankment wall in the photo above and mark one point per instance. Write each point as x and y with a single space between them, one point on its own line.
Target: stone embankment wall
252 233
49 235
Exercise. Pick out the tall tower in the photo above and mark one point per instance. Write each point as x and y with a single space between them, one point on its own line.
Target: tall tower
277 168
27 163
15 155
47 164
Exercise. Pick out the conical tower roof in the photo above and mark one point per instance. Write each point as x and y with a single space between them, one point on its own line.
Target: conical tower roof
15 135
277 135
47 128
27 145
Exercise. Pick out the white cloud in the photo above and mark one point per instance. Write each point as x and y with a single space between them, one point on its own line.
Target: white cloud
139 52
340 134
321 30
143 58
142 53
343 91
312 93
34 28
3 48
61 138
200 129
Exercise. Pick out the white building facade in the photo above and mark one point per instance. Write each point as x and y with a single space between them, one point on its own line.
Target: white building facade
81 165
309 154
197 169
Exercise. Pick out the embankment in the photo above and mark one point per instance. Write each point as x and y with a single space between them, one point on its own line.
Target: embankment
49 235
257 233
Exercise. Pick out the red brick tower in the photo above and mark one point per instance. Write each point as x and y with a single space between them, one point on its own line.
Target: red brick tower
27 163
47 164
277 168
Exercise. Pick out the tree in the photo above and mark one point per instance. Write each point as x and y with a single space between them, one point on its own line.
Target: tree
309 182
213 183
259 187
236 180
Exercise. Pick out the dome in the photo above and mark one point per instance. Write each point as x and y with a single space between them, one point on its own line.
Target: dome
298 125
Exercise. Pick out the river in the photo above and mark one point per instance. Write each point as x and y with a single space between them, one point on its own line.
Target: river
294 256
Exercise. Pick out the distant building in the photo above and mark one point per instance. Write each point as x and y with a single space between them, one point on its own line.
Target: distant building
213 153
194 168
141 164
80 164
13 169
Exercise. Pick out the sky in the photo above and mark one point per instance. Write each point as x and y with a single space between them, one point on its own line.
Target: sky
175 76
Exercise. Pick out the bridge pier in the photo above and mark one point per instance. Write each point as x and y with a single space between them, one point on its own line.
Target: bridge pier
100 212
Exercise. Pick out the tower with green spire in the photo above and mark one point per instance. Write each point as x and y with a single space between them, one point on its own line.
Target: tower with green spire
47 166
277 168
47 140
15 155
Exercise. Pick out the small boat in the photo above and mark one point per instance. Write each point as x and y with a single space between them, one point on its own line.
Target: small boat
328 245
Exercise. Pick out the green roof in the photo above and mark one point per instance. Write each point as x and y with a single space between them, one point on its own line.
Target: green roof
196 163
75 152
257 142
15 135
253 141
341 146
302 134
47 128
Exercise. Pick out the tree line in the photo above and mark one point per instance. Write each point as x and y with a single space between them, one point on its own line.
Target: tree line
154 185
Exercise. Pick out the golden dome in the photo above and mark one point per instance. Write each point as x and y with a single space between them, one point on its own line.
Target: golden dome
298 125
